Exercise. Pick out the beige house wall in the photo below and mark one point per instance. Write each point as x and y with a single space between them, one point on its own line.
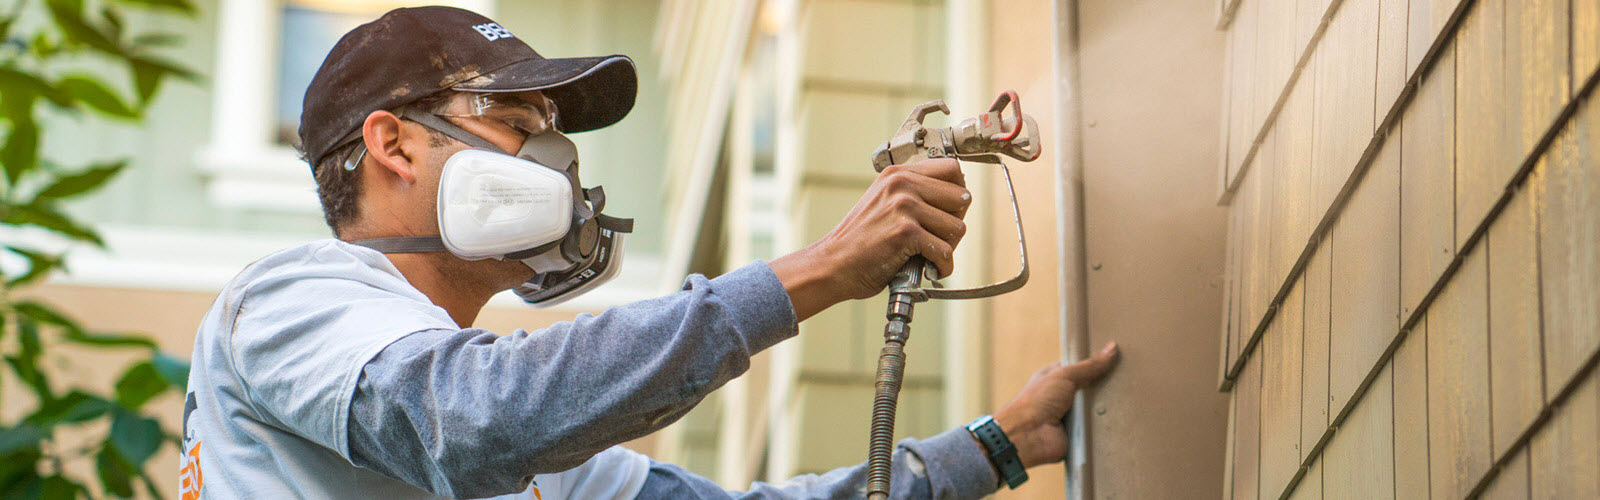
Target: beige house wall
1149 78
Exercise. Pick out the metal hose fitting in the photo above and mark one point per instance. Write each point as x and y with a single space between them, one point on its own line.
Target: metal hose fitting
903 297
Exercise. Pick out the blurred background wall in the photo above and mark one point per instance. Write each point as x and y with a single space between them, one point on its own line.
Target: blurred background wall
750 138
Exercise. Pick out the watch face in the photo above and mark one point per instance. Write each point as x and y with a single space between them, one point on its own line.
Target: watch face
979 422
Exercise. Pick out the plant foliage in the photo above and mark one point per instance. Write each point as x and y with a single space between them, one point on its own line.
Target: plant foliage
37 39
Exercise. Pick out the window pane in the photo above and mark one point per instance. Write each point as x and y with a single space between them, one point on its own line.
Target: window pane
308 33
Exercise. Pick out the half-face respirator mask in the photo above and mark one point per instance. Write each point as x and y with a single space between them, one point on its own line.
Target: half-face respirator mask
529 207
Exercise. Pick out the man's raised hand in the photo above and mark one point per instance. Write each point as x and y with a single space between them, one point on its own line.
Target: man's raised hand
912 209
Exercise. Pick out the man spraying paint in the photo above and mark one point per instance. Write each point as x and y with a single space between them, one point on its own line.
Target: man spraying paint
349 368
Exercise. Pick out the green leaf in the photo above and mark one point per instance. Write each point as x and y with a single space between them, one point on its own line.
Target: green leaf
45 216
182 6
146 79
90 91
148 73
88 409
113 20
58 487
25 364
29 372
68 15
136 438
43 47
75 407
81 182
39 312
27 86
175 69
21 152
23 484
157 40
140 383
115 474
175 371
18 470
22 437
108 339
28 337
39 265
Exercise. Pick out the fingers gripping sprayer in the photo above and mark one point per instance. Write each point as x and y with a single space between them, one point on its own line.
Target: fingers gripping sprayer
978 139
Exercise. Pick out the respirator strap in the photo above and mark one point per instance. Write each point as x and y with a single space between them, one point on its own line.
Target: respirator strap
404 244
597 197
444 126
616 224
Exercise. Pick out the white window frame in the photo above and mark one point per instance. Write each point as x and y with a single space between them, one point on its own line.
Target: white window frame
244 167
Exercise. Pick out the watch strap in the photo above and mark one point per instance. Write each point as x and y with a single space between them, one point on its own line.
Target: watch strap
1002 453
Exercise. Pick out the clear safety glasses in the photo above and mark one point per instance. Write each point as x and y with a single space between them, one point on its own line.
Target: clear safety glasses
527 113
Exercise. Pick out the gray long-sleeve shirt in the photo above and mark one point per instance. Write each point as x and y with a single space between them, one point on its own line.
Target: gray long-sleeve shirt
470 413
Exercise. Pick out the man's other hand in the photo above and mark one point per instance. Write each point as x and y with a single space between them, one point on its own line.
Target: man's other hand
1033 420
912 209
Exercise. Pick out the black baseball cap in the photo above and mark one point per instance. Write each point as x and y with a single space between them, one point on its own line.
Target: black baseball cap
411 53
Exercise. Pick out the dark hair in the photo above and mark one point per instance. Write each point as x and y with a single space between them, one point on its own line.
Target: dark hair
339 190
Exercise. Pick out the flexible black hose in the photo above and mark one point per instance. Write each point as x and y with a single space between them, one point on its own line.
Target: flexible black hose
891 369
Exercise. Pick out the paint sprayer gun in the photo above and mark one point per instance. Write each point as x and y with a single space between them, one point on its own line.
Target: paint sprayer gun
978 139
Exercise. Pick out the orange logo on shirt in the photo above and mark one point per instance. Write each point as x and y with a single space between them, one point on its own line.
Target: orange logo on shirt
189 478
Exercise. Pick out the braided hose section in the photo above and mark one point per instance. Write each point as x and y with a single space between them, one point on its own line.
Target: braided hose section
891 369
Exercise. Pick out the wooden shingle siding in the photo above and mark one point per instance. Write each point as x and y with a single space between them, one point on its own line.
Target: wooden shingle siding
1585 40
1512 483
1410 374
1440 158
1392 68
1481 152
1427 186
1241 79
1346 83
1458 384
1247 435
1280 395
1258 285
1275 55
1564 455
1366 280
1364 449
1569 189
1426 20
1314 411
1536 56
1310 487
1291 206
1516 381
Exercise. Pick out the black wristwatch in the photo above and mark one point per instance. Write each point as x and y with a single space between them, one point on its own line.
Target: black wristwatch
1002 454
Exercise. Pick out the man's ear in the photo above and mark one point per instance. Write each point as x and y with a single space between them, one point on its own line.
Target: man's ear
388 147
